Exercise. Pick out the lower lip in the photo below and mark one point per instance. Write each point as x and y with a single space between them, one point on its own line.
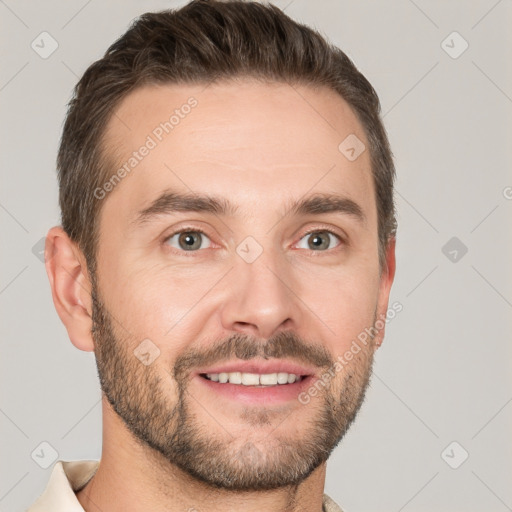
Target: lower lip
267 395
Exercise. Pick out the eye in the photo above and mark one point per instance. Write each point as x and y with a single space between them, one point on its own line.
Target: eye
188 240
319 240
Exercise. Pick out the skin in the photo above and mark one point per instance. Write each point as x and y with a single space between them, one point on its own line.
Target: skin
260 146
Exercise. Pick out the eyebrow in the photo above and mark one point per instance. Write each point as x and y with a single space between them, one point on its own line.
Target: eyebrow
170 202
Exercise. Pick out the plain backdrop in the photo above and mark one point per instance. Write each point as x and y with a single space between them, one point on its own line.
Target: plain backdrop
435 430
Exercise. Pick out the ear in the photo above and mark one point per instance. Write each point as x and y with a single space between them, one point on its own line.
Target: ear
71 287
386 280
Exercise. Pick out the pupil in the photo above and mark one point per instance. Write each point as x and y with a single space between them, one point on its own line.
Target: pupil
317 241
190 241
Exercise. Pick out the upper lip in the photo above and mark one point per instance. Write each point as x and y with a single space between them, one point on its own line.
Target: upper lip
262 367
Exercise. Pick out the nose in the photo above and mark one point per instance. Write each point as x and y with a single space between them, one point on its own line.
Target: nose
260 299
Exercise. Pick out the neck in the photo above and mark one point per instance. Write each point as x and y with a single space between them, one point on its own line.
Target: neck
134 478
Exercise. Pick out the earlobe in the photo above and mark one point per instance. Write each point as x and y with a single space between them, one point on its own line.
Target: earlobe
386 281
71 287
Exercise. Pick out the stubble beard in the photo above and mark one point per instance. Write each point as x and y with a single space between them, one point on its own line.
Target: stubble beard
142 398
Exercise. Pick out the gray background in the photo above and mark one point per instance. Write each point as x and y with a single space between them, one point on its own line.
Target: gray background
443 373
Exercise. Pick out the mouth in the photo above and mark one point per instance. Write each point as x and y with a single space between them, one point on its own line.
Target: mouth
251 383
254 379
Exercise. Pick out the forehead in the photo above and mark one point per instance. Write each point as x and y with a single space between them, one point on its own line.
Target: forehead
244 140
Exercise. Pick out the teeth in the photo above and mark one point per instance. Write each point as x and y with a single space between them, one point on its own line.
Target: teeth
269 379
250 379
235 378
254 379
282 378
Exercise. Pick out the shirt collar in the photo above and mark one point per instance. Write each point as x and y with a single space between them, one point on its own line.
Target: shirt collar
68 477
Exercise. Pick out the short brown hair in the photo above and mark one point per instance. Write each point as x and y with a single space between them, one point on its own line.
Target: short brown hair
203 42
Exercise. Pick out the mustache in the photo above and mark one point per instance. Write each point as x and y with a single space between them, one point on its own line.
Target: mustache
285 344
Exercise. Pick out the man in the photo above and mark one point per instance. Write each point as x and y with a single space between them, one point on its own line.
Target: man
227 252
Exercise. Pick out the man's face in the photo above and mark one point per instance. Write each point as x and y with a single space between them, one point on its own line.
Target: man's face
190 291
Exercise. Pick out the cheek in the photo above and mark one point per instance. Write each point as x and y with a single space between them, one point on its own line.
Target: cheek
170 304
157 301
344 302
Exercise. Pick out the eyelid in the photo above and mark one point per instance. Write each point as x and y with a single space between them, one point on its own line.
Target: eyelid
184 229
318 228
325 229
329 229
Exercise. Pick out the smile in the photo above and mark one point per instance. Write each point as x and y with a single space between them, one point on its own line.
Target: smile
254 379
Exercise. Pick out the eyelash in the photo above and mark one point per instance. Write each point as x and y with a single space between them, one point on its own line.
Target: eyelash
185 229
